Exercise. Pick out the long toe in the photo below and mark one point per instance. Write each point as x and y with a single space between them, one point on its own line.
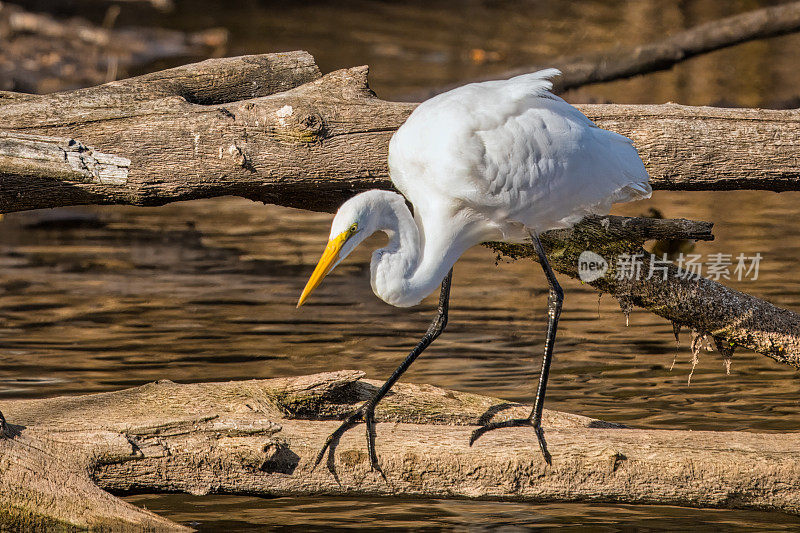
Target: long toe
543 445
515 422
333 439
369 418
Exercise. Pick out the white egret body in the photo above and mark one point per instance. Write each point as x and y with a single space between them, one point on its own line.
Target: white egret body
485 162
492 161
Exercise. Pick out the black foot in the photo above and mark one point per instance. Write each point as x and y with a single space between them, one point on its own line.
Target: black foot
3 426
516 422
365 414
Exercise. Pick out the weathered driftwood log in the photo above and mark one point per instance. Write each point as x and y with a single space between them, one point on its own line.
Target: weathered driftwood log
625 62
261 437
44 54
222 128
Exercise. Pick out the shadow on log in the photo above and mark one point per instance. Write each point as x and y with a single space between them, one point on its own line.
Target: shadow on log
261 437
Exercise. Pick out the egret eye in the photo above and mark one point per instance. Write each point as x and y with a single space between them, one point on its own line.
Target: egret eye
353 227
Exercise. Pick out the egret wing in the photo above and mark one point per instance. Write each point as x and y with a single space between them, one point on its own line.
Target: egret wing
510 152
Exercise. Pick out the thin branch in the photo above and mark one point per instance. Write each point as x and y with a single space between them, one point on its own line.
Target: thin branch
625 62
715 35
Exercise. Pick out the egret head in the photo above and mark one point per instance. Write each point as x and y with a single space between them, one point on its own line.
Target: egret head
356 220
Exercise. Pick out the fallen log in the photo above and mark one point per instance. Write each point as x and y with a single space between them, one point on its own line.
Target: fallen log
289 137
45 54
261 437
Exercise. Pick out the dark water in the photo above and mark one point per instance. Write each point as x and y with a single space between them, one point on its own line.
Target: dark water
98 299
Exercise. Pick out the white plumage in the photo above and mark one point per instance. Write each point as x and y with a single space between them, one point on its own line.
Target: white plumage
515 154
486 161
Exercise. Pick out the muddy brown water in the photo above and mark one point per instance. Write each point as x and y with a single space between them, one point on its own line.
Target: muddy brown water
96 299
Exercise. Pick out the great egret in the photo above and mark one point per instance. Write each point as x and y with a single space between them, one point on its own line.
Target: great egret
493 161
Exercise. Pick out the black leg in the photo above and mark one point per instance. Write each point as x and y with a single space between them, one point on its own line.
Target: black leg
554 301
366 413
3 427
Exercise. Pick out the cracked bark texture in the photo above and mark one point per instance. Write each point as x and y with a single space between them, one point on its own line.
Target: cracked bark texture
260 437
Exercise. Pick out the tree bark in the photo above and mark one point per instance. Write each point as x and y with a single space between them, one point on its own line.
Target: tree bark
261 437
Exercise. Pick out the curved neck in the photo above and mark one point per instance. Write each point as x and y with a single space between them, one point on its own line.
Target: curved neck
415 261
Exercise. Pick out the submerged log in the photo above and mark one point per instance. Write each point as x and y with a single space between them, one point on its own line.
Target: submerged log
626 62
261 438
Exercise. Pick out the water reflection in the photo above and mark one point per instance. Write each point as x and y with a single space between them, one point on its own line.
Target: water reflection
206 290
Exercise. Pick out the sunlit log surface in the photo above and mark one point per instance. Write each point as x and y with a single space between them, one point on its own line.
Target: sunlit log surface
271 128
261 437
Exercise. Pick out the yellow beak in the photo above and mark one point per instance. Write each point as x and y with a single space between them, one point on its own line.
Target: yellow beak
326 263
